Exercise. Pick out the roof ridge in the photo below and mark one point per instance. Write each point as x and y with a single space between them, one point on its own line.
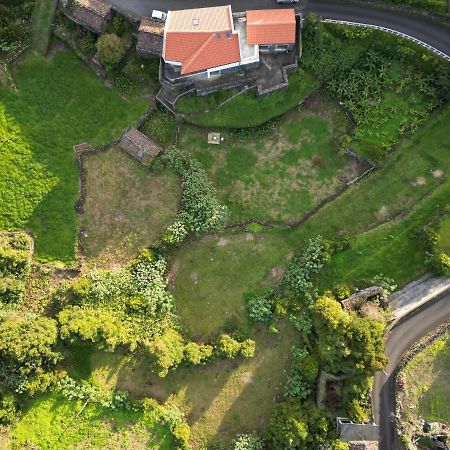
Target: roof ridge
191 58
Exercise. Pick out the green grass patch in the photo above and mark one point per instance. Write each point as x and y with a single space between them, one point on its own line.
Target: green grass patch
438 6
214 274
51 422
41 21
59 103
444 235
426 377
247 110
127 207
161 127
220 399
280 173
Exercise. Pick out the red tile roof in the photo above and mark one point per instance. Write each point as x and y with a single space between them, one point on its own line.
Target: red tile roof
271 26
204 45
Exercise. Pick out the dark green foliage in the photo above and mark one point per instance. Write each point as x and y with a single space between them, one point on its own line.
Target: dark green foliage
297 279
294 425
260 309
249 441
303 374
201 211
110 49
14 24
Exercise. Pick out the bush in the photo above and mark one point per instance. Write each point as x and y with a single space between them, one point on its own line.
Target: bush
197 354
14 262
228 346
167 351
248 348
12 291
110 49
249 441
200 209
356 412
260 309
8 408
443 263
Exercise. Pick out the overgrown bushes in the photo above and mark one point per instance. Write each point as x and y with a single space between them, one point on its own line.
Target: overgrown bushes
200 210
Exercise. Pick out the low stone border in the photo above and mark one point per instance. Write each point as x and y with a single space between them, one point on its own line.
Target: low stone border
418 347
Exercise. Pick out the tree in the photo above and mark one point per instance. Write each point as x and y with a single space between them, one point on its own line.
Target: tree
167 351
26 349
110 49
297 426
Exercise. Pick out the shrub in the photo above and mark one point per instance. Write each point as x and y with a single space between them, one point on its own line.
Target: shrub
200 209
443 263
301 269
12 291
341 292
228 346
387 284
167 351
302 323
14 262
248 348
249 441
110 49
8 408
356 412
197 354
260 309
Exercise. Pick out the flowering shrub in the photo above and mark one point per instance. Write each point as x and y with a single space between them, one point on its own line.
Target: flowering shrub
301 269
249 441
200 209
260 309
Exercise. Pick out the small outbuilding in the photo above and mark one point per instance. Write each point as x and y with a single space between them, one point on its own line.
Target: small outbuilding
139 146
91 14
150 38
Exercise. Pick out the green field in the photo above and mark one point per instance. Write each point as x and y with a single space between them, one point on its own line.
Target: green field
280 173
246 110
51 422
59 103
127 207
427 376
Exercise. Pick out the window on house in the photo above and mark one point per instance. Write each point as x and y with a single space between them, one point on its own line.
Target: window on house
228 34
218 36
195 22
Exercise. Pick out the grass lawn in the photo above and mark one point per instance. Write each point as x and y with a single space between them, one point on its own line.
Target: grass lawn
427 392
127 206
59 103
42 18
280 173
51 422
220 399
161 127
210 278
246 110
444 235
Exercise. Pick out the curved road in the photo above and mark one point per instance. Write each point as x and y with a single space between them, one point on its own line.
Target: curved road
402 336
433 33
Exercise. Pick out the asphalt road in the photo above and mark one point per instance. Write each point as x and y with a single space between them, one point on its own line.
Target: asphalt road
415 326
429 31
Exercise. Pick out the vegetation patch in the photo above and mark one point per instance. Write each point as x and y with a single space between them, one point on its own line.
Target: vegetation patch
425 386
53 422
127 207
246 110
220 399
41 126
281 171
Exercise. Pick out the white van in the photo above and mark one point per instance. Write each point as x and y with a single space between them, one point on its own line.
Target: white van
159 15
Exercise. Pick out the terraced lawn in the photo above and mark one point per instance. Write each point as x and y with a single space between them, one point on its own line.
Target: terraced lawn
58 103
